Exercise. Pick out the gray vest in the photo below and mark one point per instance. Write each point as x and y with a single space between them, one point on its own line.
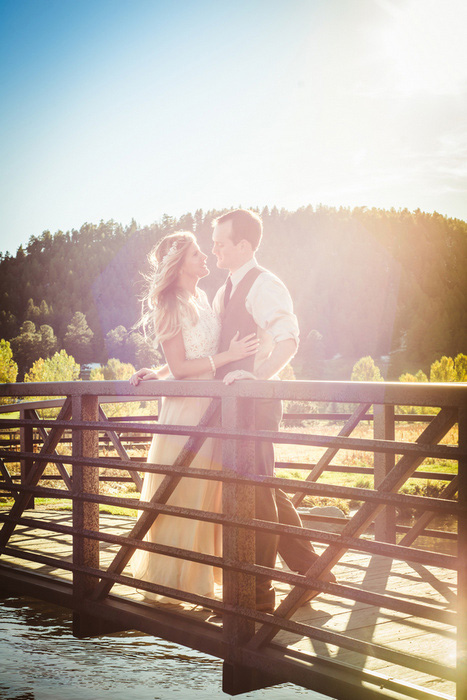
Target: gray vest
236 318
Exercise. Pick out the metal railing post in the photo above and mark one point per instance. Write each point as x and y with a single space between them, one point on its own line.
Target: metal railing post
26 445
462 558
85 515
384 429
238 543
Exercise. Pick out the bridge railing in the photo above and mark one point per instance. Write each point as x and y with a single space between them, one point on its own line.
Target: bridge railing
247 650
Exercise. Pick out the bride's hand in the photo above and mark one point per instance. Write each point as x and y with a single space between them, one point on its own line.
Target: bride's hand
246 346
142 375
236 375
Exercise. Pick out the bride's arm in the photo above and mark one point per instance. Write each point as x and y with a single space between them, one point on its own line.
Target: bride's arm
181 368
163 372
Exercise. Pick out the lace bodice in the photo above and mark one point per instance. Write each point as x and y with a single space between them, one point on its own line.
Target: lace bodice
201 339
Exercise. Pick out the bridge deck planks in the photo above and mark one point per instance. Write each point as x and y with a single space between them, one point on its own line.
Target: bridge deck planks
396 631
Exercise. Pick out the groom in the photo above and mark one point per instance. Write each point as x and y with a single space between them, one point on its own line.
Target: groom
254 300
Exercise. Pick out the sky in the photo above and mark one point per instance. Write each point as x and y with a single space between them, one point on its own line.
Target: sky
129 109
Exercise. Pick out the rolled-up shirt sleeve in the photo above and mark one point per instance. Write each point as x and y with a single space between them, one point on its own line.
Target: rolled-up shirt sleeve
270 304
216 304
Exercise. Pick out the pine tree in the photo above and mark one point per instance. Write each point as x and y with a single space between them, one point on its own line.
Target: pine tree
115 341
48 342
78 337
26 346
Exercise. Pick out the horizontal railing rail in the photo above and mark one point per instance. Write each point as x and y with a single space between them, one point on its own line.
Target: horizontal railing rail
394 393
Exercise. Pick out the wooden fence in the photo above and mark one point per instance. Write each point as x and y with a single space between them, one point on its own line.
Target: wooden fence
258 648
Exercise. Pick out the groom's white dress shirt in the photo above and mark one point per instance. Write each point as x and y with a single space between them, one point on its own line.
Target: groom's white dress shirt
270 304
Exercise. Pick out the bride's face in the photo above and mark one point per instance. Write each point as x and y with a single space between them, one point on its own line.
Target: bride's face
194 264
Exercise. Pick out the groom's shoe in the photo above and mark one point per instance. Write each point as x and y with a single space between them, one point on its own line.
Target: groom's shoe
329 578
260 607
266 600
265 607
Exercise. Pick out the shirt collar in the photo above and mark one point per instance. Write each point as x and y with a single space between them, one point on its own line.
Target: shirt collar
239 274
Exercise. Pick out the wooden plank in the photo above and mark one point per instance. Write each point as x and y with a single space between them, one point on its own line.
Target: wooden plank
326 611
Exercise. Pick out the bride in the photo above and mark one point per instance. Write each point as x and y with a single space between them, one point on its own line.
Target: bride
177 314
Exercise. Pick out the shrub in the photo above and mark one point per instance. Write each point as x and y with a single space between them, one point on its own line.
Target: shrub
365 370
8 368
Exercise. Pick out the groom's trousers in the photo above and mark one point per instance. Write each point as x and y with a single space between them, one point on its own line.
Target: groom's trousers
275 506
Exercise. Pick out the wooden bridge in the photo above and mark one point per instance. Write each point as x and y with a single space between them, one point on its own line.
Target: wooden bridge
394 625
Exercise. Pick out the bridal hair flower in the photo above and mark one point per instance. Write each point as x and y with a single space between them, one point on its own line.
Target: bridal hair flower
172 250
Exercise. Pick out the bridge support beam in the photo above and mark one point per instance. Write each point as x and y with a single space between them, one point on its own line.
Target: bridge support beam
85 514
239 589
26 445
462 573
384 429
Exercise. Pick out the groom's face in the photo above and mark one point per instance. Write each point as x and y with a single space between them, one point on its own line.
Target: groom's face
229 256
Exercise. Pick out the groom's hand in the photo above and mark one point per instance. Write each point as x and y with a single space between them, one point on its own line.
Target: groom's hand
236 375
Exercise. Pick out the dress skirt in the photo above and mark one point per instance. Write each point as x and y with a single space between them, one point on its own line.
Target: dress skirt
200 494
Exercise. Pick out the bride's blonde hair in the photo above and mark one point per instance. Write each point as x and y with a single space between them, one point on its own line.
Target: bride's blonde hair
165 301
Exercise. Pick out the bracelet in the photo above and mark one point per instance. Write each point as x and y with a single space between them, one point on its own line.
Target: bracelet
213 366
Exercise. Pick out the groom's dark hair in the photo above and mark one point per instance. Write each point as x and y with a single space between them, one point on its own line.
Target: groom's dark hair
246 225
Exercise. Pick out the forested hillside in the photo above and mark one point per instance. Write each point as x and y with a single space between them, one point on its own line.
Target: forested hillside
364 282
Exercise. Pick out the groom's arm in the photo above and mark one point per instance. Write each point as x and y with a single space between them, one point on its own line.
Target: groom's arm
282 353
271 306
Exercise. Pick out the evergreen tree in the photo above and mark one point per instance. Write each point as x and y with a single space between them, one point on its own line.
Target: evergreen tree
26 346
369 281
310 356
78 337
115 341
140 352
8 322
48 341
130 347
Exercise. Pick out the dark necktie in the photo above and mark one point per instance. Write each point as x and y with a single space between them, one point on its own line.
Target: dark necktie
228 291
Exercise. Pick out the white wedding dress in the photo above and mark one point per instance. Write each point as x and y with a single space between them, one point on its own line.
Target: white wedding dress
200 340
